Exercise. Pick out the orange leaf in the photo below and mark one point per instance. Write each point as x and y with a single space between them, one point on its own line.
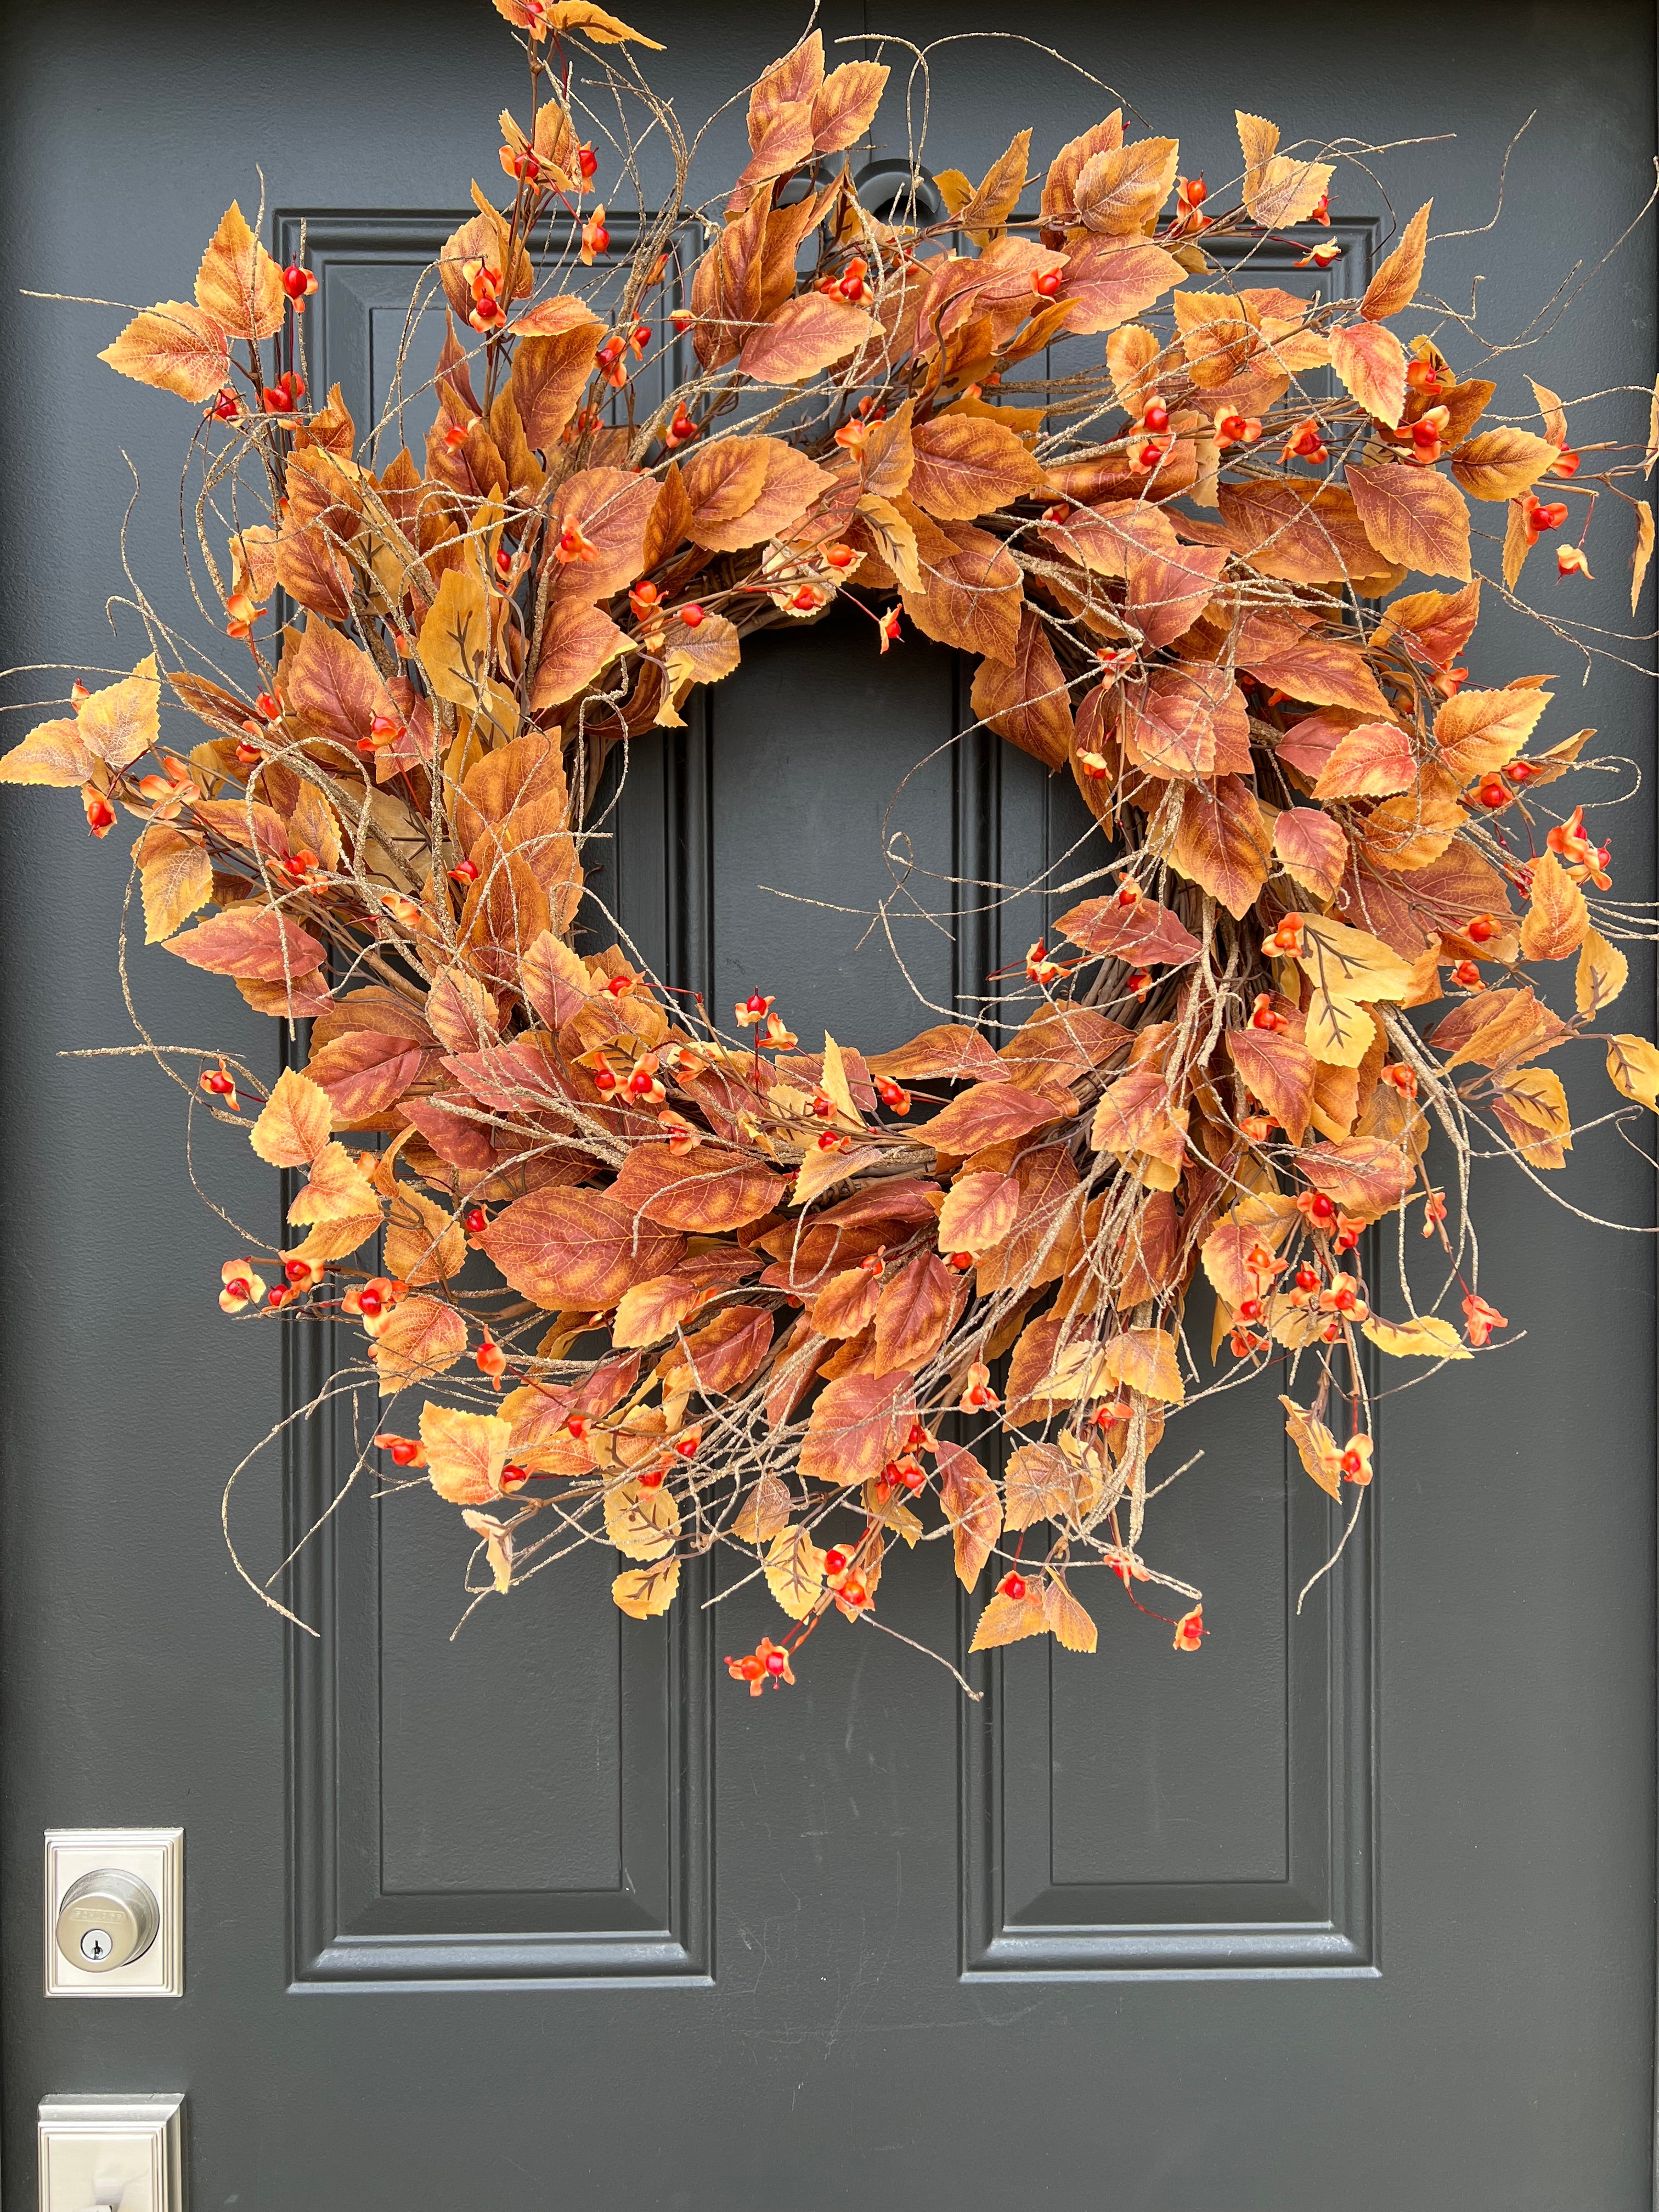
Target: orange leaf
1415 516
988 1113
1369 761
1279 1071
967 1498
978 1212
1502 464
239 284
293 1124
420 1339
745 491
176 348
914 1313
254 942
1556 921
1395 285
1371 363
711 1191
1312 846
806 335
577 1248
464 1452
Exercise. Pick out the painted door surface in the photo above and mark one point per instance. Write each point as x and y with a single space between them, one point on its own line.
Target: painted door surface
1353 1908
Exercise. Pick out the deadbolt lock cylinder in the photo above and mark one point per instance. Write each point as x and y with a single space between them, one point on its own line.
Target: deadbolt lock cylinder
107 1919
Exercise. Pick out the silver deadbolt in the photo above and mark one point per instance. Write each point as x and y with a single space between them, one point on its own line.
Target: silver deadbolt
107 1919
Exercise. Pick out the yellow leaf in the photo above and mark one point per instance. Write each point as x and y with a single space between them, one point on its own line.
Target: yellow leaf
1320 1452
1008 1619
1068 1622
423 1243
239 284
338 1189
176 879
794 1572
593 22
176 348
835 1085
1602 969
1531 1103
123 720
1642 555
1144 1360
1339 1031
53 753
641 1592
1350 963
464 1452
1426 1337
454 641
294 1126
1633 1066
498 1545
641 1523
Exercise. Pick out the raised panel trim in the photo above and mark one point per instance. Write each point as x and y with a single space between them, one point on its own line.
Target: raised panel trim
346 1932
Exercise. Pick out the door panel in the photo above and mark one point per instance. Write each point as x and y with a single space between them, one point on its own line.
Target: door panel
1358 1904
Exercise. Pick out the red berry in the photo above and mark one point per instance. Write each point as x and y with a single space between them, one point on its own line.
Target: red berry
835 1560
477 1220
588 162
1249 1309
369 1301
1466 973
691 616
1481 929
297 1271
852 1591
1156 417
1011 1585
1046 283
465 872
651 1477
296 283
776 1661
1322 1208
1306 1279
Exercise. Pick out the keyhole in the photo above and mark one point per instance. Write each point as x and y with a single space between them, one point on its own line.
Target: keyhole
95 1944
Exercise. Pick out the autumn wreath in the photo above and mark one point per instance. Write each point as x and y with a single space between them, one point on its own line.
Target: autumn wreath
676 1277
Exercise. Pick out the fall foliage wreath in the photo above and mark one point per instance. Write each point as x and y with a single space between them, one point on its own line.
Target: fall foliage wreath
664 1276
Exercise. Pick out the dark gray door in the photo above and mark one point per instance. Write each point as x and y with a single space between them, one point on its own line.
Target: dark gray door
1357 1908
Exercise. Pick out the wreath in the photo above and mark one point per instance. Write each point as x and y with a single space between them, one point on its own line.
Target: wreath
668 1277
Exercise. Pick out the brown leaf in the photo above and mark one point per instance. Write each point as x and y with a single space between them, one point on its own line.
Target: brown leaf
1142 931
979 1211
1111 281
251 941
745 491
845 103
123 720
1365 1176
175 346
552 361
971 593
1317 1449
967 465
859 1424
1068 1620
993 200
1010 1620
420 1338
721 1356
1039 1483
948 1050
988 1113
914 1313
1302 533
1221 843
294 1124
1395 285
1120 190
1027 702
1059 187
176 879
1479 731
577 1248
53 754
806 335
1369 761
1415 516
711 1191
423 1243
969 1500
1279 1071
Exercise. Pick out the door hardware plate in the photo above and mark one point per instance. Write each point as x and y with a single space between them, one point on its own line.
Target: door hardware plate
154 1856
116 2151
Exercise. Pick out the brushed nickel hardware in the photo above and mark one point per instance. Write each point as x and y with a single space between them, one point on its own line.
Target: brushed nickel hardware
115 1912
112 2154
